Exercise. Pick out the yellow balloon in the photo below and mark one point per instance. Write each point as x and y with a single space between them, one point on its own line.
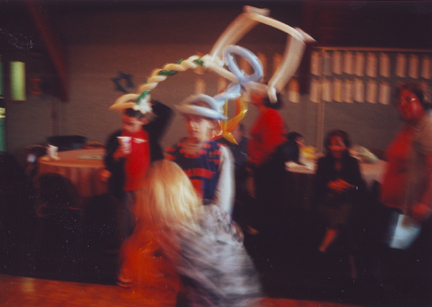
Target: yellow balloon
226 127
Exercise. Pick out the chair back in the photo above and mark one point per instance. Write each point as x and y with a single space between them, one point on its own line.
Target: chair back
12 176
59 219
32 153
16 204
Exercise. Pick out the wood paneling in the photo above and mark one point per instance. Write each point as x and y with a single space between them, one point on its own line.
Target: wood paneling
25 291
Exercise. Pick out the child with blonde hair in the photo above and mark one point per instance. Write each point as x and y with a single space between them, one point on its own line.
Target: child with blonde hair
201 244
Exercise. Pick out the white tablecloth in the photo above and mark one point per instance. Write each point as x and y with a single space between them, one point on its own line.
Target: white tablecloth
82 167
371 172
303 178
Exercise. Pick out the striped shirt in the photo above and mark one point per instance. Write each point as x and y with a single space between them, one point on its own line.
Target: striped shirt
202 168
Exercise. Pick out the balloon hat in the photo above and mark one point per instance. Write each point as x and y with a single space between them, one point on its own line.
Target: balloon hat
130 101
190 106
220 57
193 105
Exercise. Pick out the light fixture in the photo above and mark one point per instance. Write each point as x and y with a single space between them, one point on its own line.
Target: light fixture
17 78
1 80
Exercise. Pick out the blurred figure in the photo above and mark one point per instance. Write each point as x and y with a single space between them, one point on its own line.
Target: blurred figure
407 183
141 262
200 241
239 152
294 146
127 165
338 188
207 163
266 168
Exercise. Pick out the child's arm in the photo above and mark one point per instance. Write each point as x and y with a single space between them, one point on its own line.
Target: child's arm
224 193
111 162
163 115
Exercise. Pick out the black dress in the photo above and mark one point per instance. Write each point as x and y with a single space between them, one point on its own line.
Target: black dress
337 208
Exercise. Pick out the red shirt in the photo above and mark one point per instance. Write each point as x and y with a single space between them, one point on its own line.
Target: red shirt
395 178
267 133
138 161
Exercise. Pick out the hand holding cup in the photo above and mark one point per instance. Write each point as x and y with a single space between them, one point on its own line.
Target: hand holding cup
125 147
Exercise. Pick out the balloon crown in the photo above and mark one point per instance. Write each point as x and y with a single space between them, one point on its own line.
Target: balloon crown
214 111
224 48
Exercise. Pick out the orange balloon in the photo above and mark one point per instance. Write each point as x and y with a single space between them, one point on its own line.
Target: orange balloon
226 127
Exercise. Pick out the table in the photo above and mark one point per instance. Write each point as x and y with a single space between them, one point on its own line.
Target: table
82 167
371 172
303 178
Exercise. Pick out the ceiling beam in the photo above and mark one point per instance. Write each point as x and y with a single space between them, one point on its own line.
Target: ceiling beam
54 47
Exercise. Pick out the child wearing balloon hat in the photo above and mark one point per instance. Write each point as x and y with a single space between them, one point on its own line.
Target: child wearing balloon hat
207 163
129 152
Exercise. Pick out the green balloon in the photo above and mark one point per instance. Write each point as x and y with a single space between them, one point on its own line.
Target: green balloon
142 97
167 73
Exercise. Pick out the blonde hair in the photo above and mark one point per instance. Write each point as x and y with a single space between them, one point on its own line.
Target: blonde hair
168 198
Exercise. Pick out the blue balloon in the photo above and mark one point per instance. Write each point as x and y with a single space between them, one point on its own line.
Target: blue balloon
250 57
233 91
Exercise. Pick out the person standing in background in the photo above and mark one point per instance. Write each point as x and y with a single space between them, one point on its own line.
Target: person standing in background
407 188
266 168
239 152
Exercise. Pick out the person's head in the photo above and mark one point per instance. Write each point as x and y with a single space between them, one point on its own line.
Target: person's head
277 105
412 99
200 113
261 99
337 143
133 120
238 132
168 197
296 137
198 127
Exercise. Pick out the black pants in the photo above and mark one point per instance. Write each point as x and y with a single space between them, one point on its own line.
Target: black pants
124 215
409 271
269 185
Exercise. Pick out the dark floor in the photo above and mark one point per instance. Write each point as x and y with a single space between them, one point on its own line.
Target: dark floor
284 251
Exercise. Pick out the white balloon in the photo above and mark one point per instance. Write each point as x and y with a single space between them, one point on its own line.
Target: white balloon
214 111
124 102
213 61
276 24
291 60
293 51
235 31
130 101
